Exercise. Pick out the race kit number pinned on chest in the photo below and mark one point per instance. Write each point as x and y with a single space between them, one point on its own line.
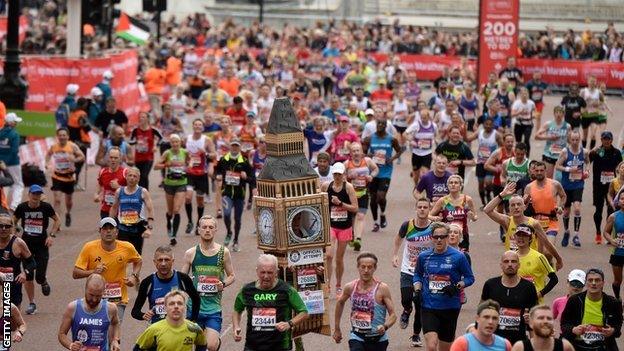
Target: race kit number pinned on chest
437 282
306 277
159 306
232 178
112 292
509 318
207 285
8 273
606 177
264 318
593 334
380 157
362 321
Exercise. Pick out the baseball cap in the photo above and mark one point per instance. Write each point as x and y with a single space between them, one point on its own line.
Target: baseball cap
381 81
523 229
251 114
606 135
235 142
108 220
35 189
343 118
576 278
12 117
108 74
96 91
369 111
72 88
338 168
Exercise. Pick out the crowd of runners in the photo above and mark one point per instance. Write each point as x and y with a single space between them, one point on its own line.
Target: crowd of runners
208 146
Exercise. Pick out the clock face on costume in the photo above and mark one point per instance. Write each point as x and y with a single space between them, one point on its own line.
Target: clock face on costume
305 224
266 226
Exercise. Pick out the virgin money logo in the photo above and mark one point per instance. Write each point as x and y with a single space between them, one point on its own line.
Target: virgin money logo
598 72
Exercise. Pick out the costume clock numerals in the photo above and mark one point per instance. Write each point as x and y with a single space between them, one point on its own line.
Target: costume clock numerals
266 222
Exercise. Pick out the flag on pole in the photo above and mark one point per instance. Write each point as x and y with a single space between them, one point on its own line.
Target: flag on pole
132 29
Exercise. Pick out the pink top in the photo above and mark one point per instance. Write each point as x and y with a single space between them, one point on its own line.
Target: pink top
339 149
557 308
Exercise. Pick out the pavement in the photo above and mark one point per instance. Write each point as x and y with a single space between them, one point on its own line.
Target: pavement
485 251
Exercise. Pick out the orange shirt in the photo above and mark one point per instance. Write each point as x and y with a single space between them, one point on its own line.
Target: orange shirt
230 86
2 114
155 80
174 70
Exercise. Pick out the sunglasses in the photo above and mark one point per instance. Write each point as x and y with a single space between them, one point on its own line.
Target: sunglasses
439 237
6 226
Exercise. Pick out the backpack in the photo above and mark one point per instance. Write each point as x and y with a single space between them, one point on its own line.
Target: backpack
62 115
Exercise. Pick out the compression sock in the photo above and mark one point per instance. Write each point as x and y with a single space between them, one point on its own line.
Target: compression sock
577 224
584 142
200 212
592 143
168 222
382 206
482 196
566 223
189 211
616 290
176 224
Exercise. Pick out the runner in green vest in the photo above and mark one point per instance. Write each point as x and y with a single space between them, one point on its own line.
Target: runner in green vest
210 264
516 169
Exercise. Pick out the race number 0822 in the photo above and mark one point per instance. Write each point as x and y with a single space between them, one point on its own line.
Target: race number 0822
499 28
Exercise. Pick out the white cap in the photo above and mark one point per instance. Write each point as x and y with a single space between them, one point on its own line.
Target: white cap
108 74
369 111
12 117
96 91
338 168
578 275
108 220
72 88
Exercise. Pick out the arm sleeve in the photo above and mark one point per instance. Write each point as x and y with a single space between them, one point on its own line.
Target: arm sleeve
295 301
552 281
136 312
189 288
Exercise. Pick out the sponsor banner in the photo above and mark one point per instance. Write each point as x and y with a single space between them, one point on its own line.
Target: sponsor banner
313 299
498 35
23 27
305 256
48 77
35 124
34 151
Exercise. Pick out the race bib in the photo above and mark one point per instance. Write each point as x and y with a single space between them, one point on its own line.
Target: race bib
469 114
207 285
452 169
423 144
485 151
142 146
576 175
619 240
306 276
8 273
512 244
593 334
232 178
606 177
264 318
437 282
503 112
112 292
33 226
247 146
196 161
129 217
109 199
338 214
359 182
509 318
361 321
61 162
555 148
380 157
537 95
159 306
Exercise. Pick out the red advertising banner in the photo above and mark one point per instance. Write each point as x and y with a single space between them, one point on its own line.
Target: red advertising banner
23 27
48 77
498 35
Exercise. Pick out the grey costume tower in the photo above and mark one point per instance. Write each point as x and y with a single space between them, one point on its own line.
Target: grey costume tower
292 215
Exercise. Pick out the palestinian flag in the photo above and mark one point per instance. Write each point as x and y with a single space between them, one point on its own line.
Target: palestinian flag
132 29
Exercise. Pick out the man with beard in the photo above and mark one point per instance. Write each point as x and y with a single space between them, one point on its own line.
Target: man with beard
483 337
515 296
93 321
573 103
541 321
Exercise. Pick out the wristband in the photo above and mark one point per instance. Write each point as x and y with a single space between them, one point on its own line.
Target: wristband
291 324
21 332
500 197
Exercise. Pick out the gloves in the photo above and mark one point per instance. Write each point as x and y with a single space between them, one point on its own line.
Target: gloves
416 298
450 290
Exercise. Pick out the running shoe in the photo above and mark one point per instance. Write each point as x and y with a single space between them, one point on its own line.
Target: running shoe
32 308
228 239
375 228
405 319
357 244
416 342
576 242
189 228
173 242
338 292
235 247
566 239
219 214
382 221
598 239
78 187
45 289
67 220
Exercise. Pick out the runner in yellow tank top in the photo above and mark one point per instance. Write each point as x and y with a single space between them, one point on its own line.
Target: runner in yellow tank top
516 216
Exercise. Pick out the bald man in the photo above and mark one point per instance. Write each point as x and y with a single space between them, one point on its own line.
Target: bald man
515 295
93 321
